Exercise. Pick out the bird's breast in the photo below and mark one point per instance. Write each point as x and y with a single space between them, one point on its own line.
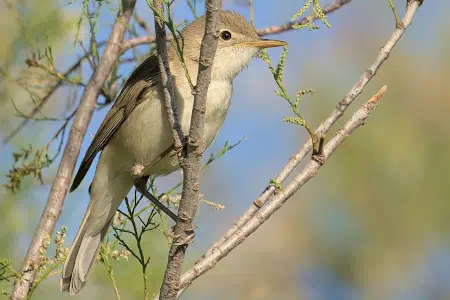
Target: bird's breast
146 133
217 104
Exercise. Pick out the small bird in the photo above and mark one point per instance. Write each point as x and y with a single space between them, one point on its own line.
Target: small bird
136 130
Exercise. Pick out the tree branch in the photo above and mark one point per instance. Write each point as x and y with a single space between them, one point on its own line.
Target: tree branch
310 171
83 115
328 9
246 224
324 127
184 229
134 42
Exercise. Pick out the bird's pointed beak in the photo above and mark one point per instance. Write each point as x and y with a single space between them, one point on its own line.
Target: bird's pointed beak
263 43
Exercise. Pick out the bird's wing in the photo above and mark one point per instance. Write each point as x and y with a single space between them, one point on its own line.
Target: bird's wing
144 77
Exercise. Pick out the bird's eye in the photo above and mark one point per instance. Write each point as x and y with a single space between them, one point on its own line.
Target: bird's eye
225 35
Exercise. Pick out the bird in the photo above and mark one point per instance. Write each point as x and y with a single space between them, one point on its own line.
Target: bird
136 130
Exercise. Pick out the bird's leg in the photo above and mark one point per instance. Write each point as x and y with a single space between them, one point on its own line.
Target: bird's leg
141 186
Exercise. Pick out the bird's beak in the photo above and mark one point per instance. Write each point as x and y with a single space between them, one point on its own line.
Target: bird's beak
263 43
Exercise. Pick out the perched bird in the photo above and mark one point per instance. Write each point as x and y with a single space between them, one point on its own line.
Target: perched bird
136 130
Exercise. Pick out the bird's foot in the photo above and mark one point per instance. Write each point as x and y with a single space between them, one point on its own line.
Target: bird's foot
179 239
185 240
137 171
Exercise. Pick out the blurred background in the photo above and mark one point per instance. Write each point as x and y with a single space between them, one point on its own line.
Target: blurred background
374 222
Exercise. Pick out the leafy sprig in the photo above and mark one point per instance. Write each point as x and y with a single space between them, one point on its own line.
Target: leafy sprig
278 73
316 12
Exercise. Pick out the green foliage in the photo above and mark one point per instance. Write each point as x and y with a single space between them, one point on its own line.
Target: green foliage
37 61
27 162
398 22
7 272
193 7
90 13
278 73
317 12
226 147
138 228
106 253
48 266
177 40
276 184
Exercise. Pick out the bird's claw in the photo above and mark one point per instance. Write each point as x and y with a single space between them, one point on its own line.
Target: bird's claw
188 239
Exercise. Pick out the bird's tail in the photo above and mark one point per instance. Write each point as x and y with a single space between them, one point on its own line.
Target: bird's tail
109 188
81 256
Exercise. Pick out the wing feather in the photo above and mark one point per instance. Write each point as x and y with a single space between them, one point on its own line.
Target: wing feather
145 76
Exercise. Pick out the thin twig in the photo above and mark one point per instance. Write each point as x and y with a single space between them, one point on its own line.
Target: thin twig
166 78
192 7
137 234
134 42
41 104
252 13
311 169
184 229
110 272
63 78
324 127
83 115
398 22
328 9
143 24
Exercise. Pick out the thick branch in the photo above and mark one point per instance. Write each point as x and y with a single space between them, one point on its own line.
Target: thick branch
311 169
325 126
184 229
82 117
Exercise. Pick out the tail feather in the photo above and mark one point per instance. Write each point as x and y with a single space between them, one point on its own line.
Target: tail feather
81 258
112 182
71 257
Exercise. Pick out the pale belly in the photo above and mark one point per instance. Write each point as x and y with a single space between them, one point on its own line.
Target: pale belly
146 133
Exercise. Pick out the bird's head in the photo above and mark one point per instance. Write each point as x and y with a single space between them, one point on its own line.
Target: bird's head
238 43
